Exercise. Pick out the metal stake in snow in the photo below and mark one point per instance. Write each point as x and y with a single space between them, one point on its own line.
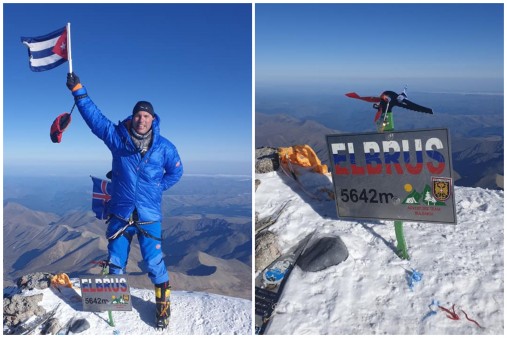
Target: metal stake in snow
401 245
400 239
109 312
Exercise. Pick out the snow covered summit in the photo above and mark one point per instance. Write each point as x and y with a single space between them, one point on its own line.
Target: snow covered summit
192 313
462 266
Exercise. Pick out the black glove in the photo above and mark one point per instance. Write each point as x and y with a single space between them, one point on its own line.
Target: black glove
72 80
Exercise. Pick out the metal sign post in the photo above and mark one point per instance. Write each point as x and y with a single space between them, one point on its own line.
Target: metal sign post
401 244
400 240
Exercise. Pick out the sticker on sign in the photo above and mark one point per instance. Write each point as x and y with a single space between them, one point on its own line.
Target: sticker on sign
404 175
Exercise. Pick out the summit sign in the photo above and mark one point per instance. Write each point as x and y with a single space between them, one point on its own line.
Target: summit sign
404 175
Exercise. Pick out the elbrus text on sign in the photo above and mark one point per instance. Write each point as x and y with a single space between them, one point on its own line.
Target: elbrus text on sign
105 292
405 175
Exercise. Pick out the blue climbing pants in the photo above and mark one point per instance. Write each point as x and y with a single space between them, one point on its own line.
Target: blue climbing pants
151 248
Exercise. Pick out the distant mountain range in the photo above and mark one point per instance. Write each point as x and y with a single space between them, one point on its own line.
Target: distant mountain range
201 254
283 131
477 161
206 229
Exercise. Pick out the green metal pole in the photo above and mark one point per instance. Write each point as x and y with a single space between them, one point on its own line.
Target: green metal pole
398 225
400 239
105 271
111 321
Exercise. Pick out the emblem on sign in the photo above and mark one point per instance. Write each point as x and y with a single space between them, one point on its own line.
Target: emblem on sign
441 188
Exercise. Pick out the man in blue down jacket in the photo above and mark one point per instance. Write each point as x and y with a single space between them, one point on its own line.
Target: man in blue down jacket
144 165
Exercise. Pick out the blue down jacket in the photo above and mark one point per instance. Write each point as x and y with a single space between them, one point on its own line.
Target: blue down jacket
137 182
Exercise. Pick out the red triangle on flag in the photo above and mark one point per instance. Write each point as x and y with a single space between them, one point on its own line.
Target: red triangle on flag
60 47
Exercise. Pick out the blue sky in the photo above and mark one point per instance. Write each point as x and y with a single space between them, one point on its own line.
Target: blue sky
451 47
192 61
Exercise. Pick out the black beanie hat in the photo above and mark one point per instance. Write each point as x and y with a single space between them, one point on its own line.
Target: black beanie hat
143 106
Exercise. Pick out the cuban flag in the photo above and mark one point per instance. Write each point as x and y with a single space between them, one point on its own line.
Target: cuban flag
48 51
101 197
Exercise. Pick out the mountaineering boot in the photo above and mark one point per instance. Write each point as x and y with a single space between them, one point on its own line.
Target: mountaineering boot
163 304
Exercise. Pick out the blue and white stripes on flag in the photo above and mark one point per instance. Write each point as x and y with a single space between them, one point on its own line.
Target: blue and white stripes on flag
48 51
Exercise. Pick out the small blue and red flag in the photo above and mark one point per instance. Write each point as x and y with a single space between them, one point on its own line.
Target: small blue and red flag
102 190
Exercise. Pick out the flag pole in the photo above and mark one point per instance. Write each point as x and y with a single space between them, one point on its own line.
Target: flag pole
69 49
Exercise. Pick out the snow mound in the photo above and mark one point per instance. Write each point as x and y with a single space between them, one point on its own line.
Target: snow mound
370 293
192 313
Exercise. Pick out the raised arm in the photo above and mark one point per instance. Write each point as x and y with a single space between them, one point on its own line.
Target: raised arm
100 125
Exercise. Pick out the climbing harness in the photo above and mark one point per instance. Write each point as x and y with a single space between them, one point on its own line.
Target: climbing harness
132 222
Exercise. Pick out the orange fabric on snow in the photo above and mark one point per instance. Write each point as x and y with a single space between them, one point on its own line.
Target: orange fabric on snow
61 279
302 155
